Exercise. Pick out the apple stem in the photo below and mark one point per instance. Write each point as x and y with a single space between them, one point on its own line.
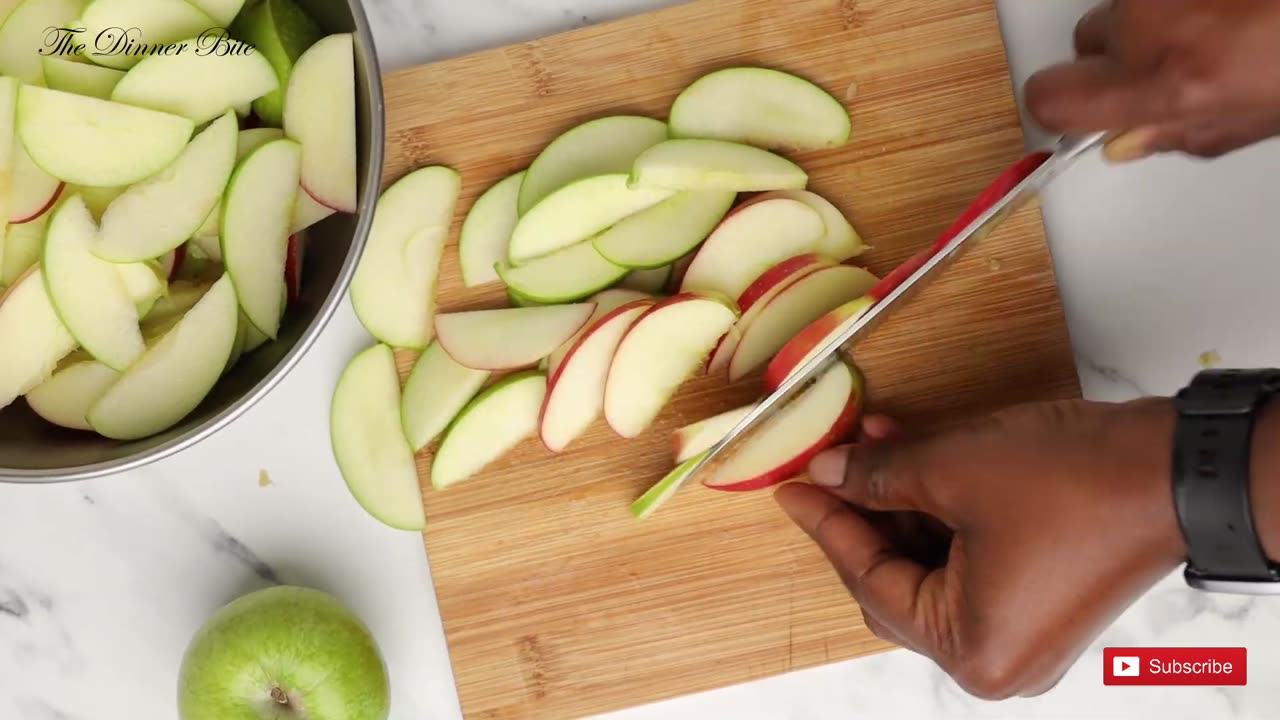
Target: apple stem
279 695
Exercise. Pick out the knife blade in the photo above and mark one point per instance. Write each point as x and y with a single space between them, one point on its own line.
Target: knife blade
1009 192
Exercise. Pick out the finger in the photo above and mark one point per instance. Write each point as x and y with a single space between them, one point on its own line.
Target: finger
886 583
878 428
1091 31
1094 94
879 629
885 477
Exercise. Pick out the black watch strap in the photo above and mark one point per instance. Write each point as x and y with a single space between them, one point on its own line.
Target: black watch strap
1217 414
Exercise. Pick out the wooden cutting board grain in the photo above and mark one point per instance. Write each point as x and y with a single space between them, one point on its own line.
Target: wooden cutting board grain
556 603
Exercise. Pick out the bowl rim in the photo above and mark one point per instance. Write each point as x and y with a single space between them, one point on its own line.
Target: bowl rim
364 220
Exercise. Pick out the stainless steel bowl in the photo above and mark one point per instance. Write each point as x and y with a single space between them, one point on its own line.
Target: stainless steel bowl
33 451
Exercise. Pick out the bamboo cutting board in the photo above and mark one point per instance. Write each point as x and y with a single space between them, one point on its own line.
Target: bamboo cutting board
556 604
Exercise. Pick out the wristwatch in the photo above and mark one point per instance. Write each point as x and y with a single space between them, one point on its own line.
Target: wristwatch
1212 448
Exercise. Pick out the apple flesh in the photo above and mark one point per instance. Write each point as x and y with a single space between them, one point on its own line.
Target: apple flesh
663 490
510 338
495 422
777 278
604 146
394 287
575 393
751 241
64 398
696 439
23 34
34 192
841 241
565 275
283 652
8 107
761 107
664 347
606 302
80 78
22 247
647 281
665 232
486 231
88 141
577 212
281 32
320 113
369 445
437 389
808 342
715 165
195 84
35 339
158 22
782 447
720 357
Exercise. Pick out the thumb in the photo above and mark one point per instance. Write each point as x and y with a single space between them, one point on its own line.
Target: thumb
883 477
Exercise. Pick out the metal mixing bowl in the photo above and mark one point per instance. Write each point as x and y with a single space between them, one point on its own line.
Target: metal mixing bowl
34 451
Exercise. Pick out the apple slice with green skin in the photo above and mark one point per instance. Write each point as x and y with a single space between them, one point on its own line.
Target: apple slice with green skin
761 107
22 247
197 85
163 211
175 374
222 11
794 308
606 302
841 241
577 212
35 339
647 281
782 447
436 391
660 351
87 292
88 141
308 212
604 146
23 35
320 113
575 392
64 398
491 425
372 453
97 199
805 345
715 165
663 490
510 338
666 232
8 144
692 440
565 275
778 277
482 243
34 192
281 31
80 78
394 287
749 242
255 229
153 22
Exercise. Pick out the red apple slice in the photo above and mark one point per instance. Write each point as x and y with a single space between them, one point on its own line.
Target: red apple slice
841 241
804 346
665 232
662 349
575 393
606 302
715 165
34 192
725 348
598 147
509 338
777 278
795 307
782 448
320 113
693 440
436 391
488 427
577 212
749 242
563 276
293 255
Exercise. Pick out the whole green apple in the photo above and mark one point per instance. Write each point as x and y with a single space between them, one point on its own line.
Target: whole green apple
284 653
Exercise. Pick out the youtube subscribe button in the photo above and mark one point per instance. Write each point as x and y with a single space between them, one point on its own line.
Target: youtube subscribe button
1175 666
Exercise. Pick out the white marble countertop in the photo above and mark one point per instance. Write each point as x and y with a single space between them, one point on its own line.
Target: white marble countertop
103 583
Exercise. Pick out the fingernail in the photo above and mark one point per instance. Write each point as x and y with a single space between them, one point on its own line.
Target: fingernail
1133 145
827 470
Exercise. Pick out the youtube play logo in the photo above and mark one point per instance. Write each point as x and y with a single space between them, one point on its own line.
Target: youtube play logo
1125 666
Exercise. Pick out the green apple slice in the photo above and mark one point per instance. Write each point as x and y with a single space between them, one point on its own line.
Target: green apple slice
647 281
175 374
148 22
487 230
510 338
23 34
34 338
255 229
80 78
307 212
88 141
488 427
281 32
577 212
563 276
87 292
320 113
163 211
97 199
605 146
715 165
22 247
372 454
222 11
664 489
761 107
437 389
394 287
253 138
665 232
196 85
253 337
64 399
8 145
33 192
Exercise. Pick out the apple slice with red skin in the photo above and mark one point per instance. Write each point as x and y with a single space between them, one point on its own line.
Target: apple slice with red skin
693 440
804 301
779 276
840 241
749 242
293 256
575 392
725 348
781 449
660 351
35 192
801 349
510 338
606 302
